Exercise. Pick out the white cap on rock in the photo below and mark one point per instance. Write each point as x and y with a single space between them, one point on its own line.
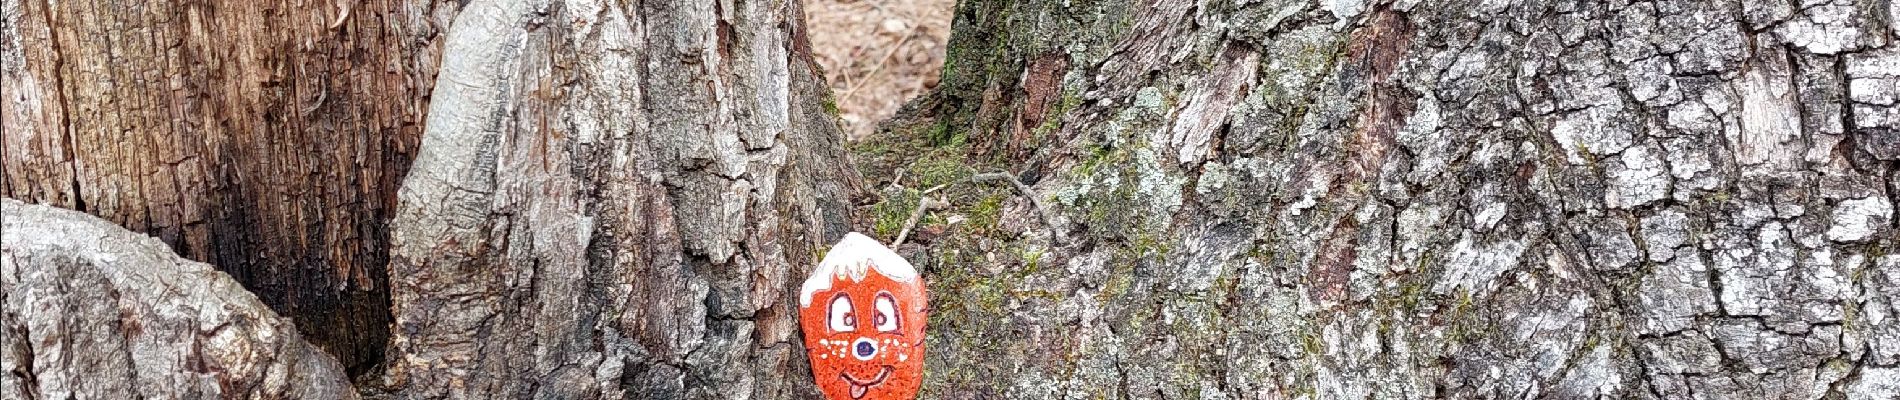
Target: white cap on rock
849 259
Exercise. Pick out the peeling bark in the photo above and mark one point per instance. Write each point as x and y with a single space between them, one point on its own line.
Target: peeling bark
266 138
89 310
1412 199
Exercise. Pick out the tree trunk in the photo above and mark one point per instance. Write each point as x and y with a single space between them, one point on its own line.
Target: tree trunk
266 138
1253 200
89 310
1438 199
616 200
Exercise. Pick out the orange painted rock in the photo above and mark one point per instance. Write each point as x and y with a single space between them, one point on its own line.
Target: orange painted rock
863 315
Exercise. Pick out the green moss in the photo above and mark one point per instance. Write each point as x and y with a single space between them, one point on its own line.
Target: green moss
1118 283
1319 57
985 214
1311 344
891 214
972 305
831 105
909 159
1032 261
939 168
1040 294
1463 326
940 135
1464 301
1148 244
1590 160
988 296
1261 253
1411 295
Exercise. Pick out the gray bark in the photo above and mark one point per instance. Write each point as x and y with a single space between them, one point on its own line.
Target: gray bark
266 138
1411 199
89 310
1226 200
615 200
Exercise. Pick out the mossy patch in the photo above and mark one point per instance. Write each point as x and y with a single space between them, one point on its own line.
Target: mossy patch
831 105
891 213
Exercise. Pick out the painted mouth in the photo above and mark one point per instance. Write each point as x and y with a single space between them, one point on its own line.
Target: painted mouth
861 386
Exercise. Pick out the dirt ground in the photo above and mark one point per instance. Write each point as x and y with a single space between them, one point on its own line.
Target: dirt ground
877 54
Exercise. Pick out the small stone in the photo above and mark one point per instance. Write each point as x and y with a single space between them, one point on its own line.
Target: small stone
895 25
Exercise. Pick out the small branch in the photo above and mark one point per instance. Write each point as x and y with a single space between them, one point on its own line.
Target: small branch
938 187
848 94
1020 187
923 203
1048 221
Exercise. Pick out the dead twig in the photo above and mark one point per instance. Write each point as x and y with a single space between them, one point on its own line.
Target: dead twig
879 67
923 203
1048 221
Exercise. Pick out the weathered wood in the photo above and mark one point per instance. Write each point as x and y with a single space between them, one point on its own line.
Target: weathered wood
1275 199
266 138
615 200
89 310
1412 199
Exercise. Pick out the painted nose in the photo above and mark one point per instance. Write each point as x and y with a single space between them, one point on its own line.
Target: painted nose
864 349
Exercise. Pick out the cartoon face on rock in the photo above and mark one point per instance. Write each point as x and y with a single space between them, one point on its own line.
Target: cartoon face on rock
863 315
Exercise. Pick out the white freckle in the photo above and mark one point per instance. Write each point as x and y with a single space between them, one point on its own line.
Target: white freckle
903 357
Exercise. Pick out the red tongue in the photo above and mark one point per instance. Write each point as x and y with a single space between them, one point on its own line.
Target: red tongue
858 391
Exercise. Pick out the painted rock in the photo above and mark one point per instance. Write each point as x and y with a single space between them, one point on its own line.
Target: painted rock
863 314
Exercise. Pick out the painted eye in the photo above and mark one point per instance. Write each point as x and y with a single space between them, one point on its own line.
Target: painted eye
840 316
886 319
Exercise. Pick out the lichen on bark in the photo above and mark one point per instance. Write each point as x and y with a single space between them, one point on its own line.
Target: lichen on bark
1225 200
1414 199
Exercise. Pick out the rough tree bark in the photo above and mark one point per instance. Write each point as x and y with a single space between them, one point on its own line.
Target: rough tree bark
89 310
615 200
1410 199
1258 199
265 138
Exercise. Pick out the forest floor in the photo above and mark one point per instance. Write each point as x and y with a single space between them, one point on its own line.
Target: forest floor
878 54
